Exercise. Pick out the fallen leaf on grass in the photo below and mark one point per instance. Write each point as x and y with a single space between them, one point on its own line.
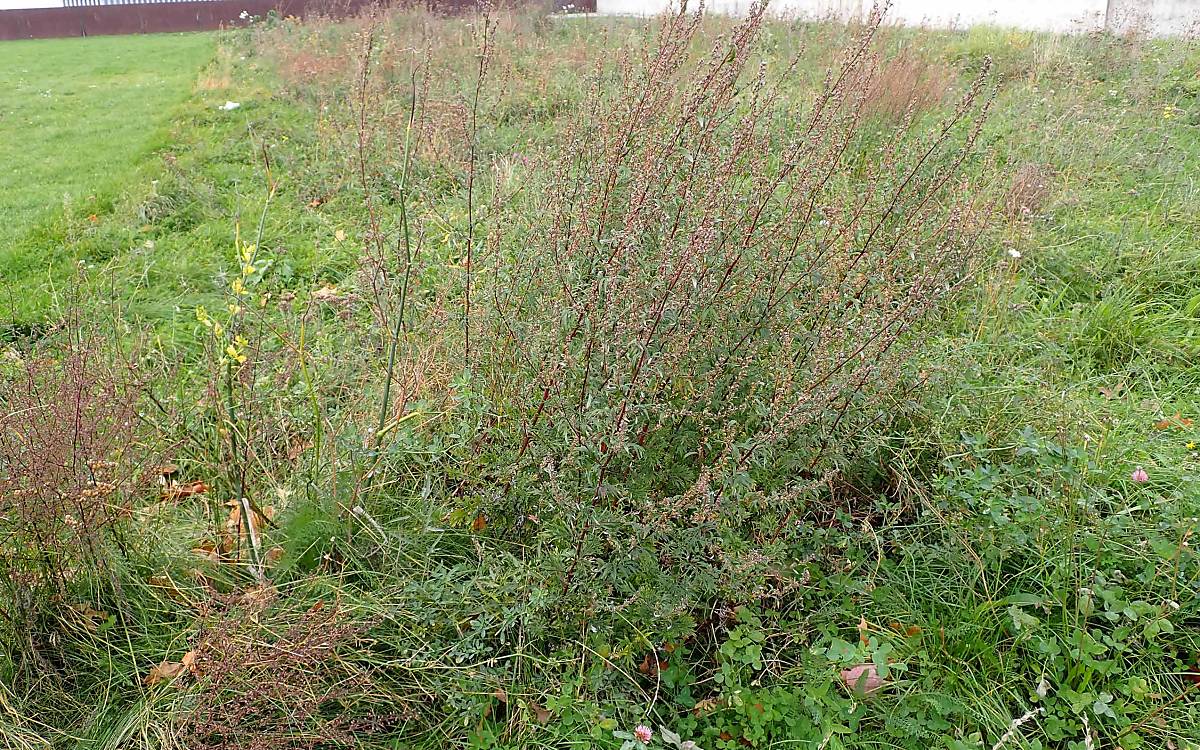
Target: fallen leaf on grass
208 550
907 632
704 707
164 672
862 679
176 491
651 664
1177 420
542 715
90 617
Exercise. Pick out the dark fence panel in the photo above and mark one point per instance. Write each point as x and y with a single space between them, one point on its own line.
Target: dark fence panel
99 17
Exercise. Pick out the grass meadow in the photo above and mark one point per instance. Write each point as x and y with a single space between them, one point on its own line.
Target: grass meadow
504 381
81 117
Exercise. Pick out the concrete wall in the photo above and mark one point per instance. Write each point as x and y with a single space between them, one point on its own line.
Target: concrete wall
1064 16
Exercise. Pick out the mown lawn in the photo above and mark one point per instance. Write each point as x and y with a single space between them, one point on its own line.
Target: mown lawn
78 118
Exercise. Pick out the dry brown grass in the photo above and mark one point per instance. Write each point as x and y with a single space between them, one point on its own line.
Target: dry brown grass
907 84
273 680
305 67
1029 191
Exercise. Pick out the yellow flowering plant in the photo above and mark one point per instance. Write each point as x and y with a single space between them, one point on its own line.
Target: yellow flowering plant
251 269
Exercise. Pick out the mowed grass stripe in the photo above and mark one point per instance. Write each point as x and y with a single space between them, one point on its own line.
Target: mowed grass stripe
77 118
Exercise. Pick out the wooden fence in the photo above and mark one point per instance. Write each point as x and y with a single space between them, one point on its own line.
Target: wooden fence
99 17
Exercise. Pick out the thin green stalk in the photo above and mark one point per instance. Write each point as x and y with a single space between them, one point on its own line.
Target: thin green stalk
243 502
399 327
484 53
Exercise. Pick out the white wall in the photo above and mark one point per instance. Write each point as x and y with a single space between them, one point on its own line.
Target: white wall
17 4
1157 16
1066 16
1041 15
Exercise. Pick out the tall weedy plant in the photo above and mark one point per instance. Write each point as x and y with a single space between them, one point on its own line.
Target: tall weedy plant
68 463
717 282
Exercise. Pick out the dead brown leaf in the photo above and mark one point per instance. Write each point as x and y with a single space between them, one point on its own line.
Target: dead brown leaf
164 672
176 491
705 706
651 664
298 447
90 617
862 679
189 662
542 715
1176 420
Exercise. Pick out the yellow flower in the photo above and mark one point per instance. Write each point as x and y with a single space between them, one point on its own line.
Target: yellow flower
234 309
247 253
217 329
238 287
234 354
1191 445
248 269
